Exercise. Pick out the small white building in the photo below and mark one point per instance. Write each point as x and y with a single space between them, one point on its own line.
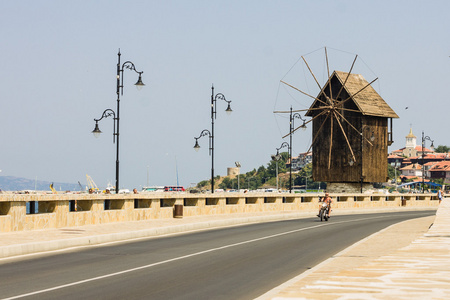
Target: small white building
300 161
412 170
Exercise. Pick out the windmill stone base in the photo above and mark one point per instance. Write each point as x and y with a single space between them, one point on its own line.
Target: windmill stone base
348 187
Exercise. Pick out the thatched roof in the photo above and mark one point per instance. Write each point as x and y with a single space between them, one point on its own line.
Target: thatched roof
368 101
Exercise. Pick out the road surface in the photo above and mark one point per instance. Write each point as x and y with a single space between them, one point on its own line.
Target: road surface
240 262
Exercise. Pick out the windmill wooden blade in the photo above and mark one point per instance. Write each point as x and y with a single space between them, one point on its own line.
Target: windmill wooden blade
301 110
318 131
350 97
346 139
331 142
303 92
318 115
329 78
310 71
351 125
348 75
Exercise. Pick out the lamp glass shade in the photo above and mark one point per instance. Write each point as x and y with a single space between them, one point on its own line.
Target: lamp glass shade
303 127
229 110
197 146
96 132
139 84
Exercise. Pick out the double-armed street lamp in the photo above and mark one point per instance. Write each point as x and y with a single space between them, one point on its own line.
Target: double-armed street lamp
285 144
425 138
205 132
116 114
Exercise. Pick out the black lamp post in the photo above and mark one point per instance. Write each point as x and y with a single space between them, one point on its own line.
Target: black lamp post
214 99
285 144
276 158
425 138
291 131
396 165
116 115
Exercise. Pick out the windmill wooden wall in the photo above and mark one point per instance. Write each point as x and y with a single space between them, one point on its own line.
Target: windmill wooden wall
369 160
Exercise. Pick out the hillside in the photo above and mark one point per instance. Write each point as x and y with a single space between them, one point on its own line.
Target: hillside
11 183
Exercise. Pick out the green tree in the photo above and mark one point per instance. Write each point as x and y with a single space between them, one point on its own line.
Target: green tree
391 171
442 149
203 183
304 178
272 165
226 184
261 170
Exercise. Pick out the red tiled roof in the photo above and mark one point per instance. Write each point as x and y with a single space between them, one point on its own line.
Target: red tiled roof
419 148
411 167
441 166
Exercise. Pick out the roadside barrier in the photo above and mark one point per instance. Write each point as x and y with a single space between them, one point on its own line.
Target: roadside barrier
42 211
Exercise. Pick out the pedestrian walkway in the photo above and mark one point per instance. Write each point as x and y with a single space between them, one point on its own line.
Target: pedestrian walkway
418 270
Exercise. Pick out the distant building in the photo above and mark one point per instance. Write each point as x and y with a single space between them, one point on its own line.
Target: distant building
441 170
395 160
300 161
411 148
233 172
412 170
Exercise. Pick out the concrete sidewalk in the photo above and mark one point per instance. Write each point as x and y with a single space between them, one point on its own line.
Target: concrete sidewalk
375 269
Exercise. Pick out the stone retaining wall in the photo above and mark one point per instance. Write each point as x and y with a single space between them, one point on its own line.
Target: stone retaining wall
70 210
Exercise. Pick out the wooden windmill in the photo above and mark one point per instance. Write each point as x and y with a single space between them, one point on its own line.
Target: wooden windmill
352 129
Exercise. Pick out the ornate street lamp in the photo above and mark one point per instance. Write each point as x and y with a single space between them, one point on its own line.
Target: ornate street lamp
116 115
205 132
425 138
291 131
285 144
107 113
292 118
214 99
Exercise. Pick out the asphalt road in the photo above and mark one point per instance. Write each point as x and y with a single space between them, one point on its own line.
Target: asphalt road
240 262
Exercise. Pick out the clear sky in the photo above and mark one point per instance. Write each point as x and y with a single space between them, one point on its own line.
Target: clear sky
58 72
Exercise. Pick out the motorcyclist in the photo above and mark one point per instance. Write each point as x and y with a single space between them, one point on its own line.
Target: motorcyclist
328 201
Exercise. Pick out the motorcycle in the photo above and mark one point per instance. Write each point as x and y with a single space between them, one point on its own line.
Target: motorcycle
323 213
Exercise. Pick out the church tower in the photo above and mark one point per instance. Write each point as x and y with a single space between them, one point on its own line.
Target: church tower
410 146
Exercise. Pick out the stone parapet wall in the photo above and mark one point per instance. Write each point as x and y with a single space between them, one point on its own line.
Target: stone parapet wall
71 210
